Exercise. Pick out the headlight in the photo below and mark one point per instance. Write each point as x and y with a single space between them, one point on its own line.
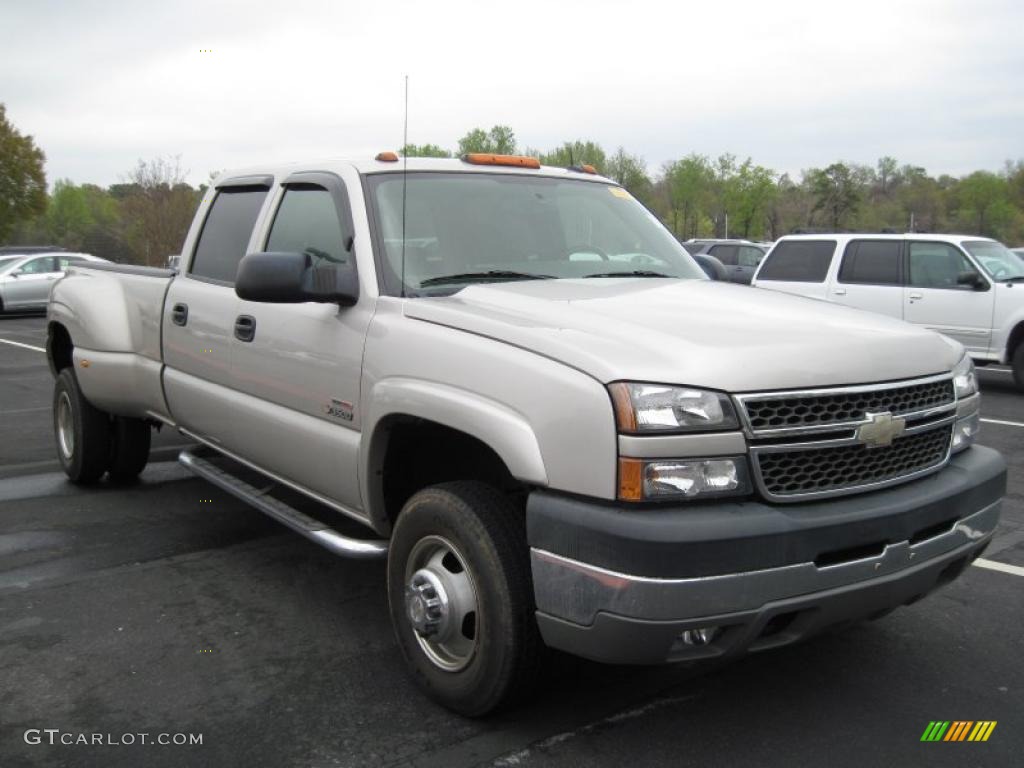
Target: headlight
965 381
660 479
659 408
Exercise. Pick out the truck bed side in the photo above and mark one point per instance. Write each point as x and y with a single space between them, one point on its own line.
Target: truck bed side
112 315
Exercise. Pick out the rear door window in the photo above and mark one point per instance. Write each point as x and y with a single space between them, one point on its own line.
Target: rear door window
871 262
725 254
226 232
799 261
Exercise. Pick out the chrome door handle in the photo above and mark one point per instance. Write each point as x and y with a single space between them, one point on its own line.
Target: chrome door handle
916 296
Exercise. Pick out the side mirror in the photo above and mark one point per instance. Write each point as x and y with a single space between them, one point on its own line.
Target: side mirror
973 280
291 278
17 273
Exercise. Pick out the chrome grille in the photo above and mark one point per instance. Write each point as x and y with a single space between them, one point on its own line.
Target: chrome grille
814 409
826 442
789 473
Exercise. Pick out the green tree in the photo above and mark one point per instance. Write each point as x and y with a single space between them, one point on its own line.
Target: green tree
22 179
577 152
752 190
631 172
688 188
68 217
984 202
425 150
835 191
500 140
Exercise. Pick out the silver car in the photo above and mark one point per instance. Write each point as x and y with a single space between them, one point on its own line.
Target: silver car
26 279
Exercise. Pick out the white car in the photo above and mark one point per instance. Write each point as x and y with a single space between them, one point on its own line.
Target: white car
26 279
967 287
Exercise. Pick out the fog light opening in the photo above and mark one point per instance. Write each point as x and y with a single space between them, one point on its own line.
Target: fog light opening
698 637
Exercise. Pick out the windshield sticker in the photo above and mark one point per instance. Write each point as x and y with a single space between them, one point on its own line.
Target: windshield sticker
619 192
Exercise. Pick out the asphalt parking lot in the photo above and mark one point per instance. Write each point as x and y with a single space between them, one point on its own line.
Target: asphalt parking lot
169 607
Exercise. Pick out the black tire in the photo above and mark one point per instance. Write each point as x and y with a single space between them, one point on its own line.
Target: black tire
488 533
1018 366
130 449
86 455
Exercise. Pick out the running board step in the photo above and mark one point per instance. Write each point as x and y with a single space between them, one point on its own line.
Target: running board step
314 530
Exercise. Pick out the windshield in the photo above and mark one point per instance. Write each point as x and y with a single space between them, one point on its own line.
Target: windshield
463 228
996 259
7 262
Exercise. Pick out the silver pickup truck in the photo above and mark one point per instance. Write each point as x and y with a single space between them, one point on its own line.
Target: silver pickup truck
556 429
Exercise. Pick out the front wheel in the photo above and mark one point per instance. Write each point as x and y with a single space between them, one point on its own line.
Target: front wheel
82 432
1018 366
461 597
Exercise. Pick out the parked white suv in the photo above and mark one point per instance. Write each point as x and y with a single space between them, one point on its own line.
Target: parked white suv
966 287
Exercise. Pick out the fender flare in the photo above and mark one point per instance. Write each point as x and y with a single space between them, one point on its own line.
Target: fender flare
507 432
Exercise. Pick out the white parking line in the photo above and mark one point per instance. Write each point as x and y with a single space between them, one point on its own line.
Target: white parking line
1004 423
992 565
19 344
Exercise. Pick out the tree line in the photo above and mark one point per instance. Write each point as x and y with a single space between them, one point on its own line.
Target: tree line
144 218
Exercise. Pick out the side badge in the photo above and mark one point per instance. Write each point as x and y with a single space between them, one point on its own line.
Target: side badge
339 409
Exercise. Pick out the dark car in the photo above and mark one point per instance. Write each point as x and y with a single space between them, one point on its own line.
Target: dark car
740 257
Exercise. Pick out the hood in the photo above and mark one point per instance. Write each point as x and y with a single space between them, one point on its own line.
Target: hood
693 332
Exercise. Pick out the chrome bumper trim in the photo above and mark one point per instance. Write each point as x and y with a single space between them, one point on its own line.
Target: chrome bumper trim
576 591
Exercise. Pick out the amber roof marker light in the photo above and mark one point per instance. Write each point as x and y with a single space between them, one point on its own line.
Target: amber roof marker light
486 158
387 157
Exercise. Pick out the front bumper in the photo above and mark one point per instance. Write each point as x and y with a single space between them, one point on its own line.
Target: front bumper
621 584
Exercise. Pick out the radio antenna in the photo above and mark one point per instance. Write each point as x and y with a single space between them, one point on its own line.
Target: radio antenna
405 174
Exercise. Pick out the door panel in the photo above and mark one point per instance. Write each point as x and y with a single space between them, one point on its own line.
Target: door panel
934 299
199 316
304 360
198 325
304 364
870 277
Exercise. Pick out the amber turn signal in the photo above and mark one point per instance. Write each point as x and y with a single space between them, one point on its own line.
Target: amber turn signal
625 414
631 479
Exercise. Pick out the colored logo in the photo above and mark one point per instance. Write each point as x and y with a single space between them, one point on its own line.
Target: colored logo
958 730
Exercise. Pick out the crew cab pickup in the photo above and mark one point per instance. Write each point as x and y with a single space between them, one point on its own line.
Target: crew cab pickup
555 428
967 287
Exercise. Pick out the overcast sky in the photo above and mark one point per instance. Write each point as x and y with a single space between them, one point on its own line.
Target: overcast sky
792 84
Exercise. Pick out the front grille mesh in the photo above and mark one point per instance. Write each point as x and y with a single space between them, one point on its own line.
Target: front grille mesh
813 410
816 470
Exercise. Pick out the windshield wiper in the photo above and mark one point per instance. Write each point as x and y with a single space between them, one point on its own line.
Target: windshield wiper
633 273
491 274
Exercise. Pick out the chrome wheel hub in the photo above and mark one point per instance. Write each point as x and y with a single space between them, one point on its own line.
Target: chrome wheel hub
427 603
65 426
441 603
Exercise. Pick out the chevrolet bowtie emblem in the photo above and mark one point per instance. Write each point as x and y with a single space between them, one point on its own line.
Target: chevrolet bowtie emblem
880 430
